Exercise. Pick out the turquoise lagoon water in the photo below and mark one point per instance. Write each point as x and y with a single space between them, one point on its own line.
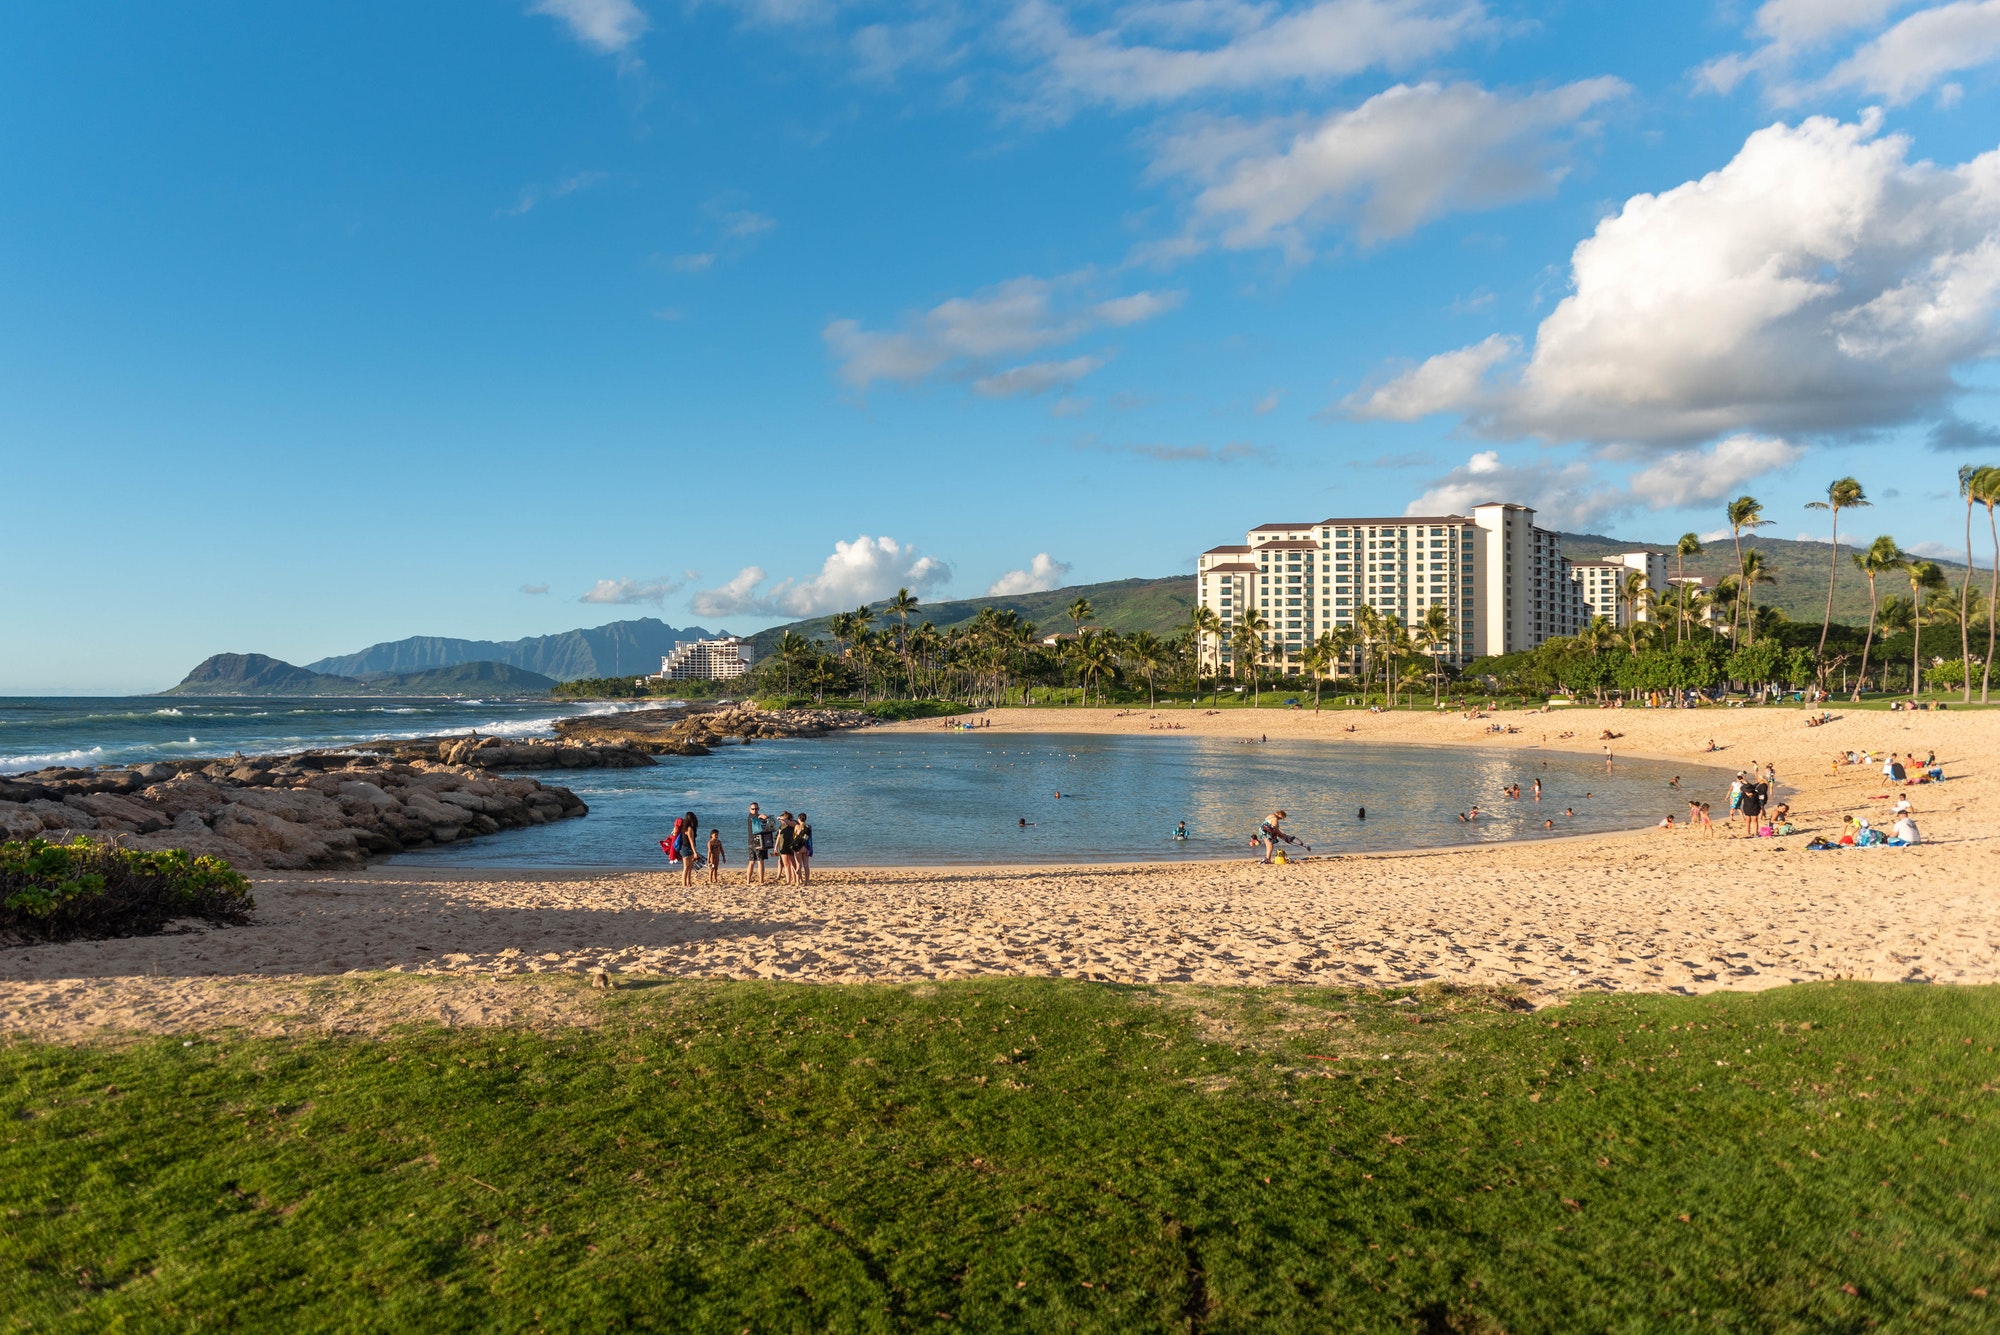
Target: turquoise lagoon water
886 799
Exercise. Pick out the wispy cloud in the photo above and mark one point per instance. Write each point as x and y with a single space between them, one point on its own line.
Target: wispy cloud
536 589
609 26
1035 378
1234 452
533 195
655 591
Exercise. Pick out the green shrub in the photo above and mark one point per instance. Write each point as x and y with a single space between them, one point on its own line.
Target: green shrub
58 892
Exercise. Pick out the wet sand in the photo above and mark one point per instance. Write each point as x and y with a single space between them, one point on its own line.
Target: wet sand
1647 911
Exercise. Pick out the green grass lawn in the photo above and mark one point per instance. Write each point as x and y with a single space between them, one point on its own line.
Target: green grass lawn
1029 1154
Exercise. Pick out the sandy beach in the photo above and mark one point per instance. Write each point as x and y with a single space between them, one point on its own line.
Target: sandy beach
1647 910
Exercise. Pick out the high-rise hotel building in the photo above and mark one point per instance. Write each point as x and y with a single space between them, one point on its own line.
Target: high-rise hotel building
1502 581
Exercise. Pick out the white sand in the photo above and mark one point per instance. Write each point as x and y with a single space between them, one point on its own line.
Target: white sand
1646 911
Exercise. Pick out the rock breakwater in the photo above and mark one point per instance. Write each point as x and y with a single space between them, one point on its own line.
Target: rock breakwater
697 731
280 812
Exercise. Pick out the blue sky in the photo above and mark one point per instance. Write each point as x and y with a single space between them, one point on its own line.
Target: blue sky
327 324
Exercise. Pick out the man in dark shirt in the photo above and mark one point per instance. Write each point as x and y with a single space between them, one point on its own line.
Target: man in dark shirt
759 847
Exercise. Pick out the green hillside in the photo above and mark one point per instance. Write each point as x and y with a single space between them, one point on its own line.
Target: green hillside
1125 605
1799 569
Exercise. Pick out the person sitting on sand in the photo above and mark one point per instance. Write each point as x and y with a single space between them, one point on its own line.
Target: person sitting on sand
1666 822
1904 833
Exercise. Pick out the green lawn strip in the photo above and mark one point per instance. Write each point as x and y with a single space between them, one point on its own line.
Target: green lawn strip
1029 1154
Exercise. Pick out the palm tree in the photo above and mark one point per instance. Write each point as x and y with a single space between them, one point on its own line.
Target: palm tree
1079 612
900 608
1882 556
1743 512
792 648
1313 662
1634 595
841 626
1395 640
1925 577
1689 545
1986 487
1248 642
1206 626
1968 478
1754 573
1845 494
1434 637
1148 655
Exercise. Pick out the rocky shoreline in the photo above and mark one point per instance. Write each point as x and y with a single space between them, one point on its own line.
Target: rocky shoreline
293 812
317 809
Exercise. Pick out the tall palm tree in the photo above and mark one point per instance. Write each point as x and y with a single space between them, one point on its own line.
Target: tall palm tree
1395 641
1207 626
1149 656
1367 631
1633 595
1313 662
1689 545
1248 642
1434 637
841 626
1755 572
1743 512
1843 494
900 608
1986 486
1882 556
1925 577
1968 479
792 649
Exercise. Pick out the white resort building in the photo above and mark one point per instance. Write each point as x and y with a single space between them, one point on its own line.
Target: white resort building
1604 580
1502 580
705 660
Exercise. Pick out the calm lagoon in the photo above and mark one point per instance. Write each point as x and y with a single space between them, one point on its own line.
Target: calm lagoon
922 799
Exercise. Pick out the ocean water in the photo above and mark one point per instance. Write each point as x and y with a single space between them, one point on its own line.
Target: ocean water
121 730
879 799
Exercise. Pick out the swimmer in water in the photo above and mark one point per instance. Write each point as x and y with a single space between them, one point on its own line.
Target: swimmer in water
1024 822
1569 811
1548 825
1180 830
1361 813
1674 782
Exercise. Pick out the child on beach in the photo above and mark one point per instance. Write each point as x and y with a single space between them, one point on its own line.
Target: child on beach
714 856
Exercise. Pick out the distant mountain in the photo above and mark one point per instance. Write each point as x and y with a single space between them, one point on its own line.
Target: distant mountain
620 649
257 674
1799 569
260 675
1125 605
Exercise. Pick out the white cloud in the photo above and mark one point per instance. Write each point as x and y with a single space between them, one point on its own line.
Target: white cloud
1266 404
966 334
1795 23
1262 45
1820 283
861 571
1035 378
534 194
1909 59
699 262
1405 156
608 25
1447 381
534 588
1043 573
1690 477
654 591
743 223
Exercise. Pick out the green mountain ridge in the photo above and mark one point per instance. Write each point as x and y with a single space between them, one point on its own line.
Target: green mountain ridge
262 675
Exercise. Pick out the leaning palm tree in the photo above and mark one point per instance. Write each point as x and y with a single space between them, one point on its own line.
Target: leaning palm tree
1248 642
1689 545
1925 577
1743 512
1882 556
1755 572
1986 487
1843 494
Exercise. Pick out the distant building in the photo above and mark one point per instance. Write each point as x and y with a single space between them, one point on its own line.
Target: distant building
1502 581
705 660
1602 581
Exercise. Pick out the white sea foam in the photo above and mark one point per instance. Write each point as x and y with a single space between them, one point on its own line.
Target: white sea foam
166 713
22 764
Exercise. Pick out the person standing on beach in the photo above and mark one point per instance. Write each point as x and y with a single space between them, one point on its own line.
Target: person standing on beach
1752 806
802 849
786 843
759 847
714 856
690 823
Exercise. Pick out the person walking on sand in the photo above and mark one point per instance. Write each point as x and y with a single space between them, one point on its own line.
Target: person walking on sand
714 857
759 846
1707 825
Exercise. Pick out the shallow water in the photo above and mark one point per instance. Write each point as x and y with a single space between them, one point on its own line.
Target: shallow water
919 799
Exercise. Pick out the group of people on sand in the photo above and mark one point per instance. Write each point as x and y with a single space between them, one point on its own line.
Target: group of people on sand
1905 769
789 837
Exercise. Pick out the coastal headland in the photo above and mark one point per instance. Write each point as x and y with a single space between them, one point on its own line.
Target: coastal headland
1647 911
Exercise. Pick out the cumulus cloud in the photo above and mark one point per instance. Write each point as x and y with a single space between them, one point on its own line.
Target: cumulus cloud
966 335
1819 284
1403 157
606 25
654 591
1572 493
861 571
1035 378
1043 573
1230 46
